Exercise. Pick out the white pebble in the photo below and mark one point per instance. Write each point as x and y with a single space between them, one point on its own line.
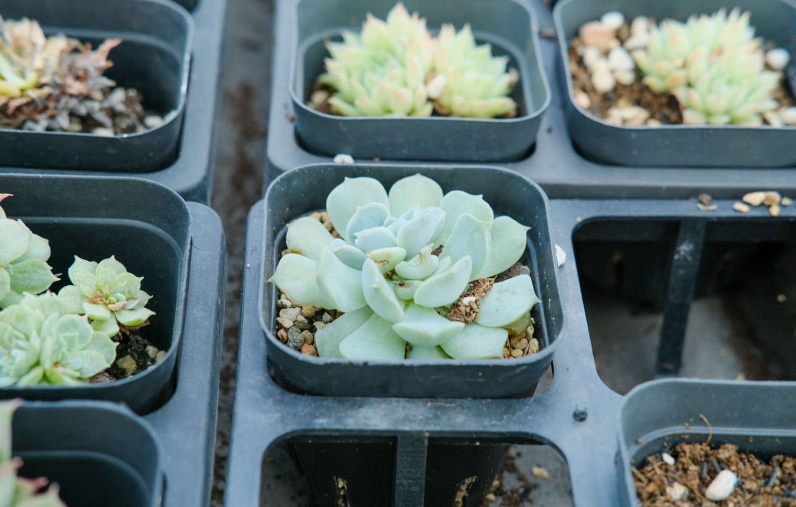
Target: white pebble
640 25
435 87
102 131
722 486
591 55
676 491
668 459
773 119
153 121
778 58
343 158
582 99
638 41
620 59
561 256
612 20
788 115
603 81
600 65
626 77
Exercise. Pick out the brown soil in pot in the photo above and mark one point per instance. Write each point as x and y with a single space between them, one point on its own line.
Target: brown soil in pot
761 483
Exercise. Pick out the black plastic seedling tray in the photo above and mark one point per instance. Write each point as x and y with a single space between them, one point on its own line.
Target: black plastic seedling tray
555 163
180 406
577 414
290 197
154 58
187 168
509 26
94 451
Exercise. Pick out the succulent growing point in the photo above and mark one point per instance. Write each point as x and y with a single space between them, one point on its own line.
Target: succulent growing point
23 261
18 491
476 84
41 342
381 72
107 294
411 266
713 65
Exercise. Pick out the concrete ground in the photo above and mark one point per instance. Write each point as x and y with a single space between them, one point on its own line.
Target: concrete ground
624 338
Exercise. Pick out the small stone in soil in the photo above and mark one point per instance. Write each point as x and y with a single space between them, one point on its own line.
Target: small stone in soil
786 201
612 19
294 338
126 365
754 198
540 473
774 210
772 198
788 115
599 36
741 207
778 58
722 486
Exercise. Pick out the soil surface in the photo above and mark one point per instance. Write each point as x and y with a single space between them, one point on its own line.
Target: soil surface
134 354
761 483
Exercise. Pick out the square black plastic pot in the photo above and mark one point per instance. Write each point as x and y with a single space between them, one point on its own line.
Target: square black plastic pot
508 25
147 227
758 417
677 145
365 467
304 190
94 451
153 58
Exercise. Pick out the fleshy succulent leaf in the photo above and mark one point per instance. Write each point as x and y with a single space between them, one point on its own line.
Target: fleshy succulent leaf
339 283
344 199
416 191
327 340
375 239
418 267
379 293
387 258
476 342
426 328
38 248
426 353
470 237
458 203
508 239
308 237
444 288
351 256
295 276
374 341
507 302
32 276
419 231
368 216
16 239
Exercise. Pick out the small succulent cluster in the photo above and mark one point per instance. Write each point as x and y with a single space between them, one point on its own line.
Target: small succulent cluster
65 338
715 67
396 68
18 491
412 266
57 84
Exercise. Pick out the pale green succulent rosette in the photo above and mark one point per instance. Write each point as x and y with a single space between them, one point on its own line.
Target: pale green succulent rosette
41 342
393 282
18 491
381 72
715 67
468 81
107 294
23 262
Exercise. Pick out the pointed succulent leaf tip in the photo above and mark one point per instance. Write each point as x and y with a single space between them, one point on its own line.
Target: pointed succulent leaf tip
444 288
295 276
507 302
416 191
308 237
476 342
508 239
344 199
387 258
328 339
374 239
420 266
469 238
458 203
374 341
419 231
426 353
368 216
351 256
713 65
339 284
426 328
379 293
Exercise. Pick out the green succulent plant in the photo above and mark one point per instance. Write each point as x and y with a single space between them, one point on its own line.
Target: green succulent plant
381 72
403 265
476 84
107 294
23 261
18 491
713 65
41 342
